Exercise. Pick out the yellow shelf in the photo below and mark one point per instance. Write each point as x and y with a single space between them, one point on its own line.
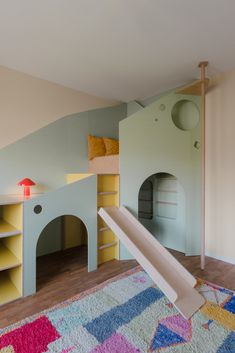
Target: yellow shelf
106 254
193 88
71 178
7 230
107 192
108 245
108 183
7 258
8 291
104 229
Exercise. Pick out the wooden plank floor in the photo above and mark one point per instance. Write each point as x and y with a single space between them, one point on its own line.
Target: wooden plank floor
217 272
63 275
60 276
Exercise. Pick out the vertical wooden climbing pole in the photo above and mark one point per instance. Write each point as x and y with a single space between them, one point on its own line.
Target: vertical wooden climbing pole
202 65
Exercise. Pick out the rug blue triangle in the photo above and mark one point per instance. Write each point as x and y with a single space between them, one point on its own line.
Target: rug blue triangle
230 305
228 345
164 337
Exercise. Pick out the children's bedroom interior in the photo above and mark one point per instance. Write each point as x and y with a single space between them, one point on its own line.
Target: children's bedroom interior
117 176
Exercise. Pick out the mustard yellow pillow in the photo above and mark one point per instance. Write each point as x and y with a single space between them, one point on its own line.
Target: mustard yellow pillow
96 147
111 146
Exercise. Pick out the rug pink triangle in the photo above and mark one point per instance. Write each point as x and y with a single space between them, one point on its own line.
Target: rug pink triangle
179 325
205 326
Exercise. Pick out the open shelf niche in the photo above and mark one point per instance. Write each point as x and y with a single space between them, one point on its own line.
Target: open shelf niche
166 200
161 202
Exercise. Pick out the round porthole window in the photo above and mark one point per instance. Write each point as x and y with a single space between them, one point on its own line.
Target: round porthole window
185 115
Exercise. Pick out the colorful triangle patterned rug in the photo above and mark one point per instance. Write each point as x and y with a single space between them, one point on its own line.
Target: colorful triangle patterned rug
127 314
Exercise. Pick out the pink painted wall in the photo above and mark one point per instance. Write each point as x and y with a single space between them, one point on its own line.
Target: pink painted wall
220 168
29 103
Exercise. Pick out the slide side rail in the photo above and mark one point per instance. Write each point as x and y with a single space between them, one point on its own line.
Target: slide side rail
187 275
143 261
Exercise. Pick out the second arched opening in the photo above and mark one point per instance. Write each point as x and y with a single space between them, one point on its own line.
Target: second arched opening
161 209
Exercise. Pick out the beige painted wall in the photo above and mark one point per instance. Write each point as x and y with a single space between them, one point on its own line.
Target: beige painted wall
28 103
220 168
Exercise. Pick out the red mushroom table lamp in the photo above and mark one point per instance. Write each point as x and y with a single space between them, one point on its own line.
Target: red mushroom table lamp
26 183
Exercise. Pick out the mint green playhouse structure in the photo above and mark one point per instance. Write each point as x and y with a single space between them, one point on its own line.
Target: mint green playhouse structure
160 170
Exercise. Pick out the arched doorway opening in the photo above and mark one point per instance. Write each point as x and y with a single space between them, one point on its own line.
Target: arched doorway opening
161 209
61 249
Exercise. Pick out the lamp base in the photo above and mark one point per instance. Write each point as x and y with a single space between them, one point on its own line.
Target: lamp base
27 192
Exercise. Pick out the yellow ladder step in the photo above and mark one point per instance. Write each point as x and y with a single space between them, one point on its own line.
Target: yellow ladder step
7 258
109 245
7 230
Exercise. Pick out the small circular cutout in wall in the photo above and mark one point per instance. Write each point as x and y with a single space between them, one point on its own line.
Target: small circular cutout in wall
185 115
37 209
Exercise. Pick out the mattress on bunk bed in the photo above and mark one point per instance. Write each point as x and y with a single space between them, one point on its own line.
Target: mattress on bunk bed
104 165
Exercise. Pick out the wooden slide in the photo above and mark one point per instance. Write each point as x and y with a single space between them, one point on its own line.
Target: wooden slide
169 275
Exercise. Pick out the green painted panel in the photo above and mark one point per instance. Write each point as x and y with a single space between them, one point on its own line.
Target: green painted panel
48 154
150 143
78 199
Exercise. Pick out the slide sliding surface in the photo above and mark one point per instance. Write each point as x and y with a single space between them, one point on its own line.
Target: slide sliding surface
170 276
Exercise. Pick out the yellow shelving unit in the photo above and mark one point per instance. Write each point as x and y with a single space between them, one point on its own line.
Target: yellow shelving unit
7 229
107 195
11 253
7 258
